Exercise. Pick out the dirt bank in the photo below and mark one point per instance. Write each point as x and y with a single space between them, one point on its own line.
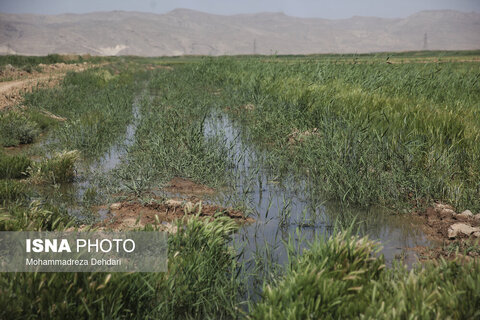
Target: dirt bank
135 215
11 92
187 187
457 234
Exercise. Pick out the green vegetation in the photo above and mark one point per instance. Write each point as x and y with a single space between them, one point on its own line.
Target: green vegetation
20 61
59 168
13 167
383 134
343 278
96 104
30 63
201 283
34 217
16 129
23 126
170 139
11 190
356 129
340 277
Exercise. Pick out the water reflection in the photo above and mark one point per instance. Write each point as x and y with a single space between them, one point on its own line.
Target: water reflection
286 208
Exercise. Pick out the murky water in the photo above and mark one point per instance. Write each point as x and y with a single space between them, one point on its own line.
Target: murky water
284 208
74 196
114 155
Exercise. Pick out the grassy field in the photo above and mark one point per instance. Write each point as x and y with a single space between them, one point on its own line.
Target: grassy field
393 130
383 134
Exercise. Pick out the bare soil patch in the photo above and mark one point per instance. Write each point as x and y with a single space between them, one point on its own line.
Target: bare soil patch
458 234
135 215
187 187
153 67
11 92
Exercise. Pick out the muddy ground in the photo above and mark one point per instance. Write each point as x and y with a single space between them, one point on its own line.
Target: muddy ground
133 214
457 235
187 187
454 235
136 215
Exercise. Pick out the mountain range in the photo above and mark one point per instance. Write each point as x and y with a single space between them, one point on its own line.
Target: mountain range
188 32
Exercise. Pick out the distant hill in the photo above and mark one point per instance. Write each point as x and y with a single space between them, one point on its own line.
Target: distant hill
186 32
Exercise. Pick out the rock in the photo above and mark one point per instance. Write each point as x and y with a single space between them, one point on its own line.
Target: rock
468 213
116 206
476 234
443 206
446 213
464 216
81 227
188 206
173 203
438 207
477 217
431 213
461 228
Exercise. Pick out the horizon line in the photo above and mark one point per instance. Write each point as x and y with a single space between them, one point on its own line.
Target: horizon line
238 14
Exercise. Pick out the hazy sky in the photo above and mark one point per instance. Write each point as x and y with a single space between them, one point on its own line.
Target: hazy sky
302 8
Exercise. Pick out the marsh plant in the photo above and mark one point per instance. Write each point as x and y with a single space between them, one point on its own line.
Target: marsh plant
59 168
11 190
96 109
202 282
36 216
369 134
16 128
350 129
14 167
344 277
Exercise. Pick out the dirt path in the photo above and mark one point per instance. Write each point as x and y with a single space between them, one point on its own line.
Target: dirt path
11 92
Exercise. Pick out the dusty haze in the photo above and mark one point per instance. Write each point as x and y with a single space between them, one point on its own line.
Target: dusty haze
187 32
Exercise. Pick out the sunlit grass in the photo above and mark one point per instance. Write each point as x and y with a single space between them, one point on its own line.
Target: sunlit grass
367 133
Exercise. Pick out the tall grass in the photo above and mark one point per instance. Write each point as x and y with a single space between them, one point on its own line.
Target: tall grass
343 278
16 129
201 283
170 137
11 190
36 216
13 167
385 134
96 104
60 168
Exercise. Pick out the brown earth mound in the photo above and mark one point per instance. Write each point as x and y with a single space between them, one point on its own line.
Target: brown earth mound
187 187
134 215
11 92
458 233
